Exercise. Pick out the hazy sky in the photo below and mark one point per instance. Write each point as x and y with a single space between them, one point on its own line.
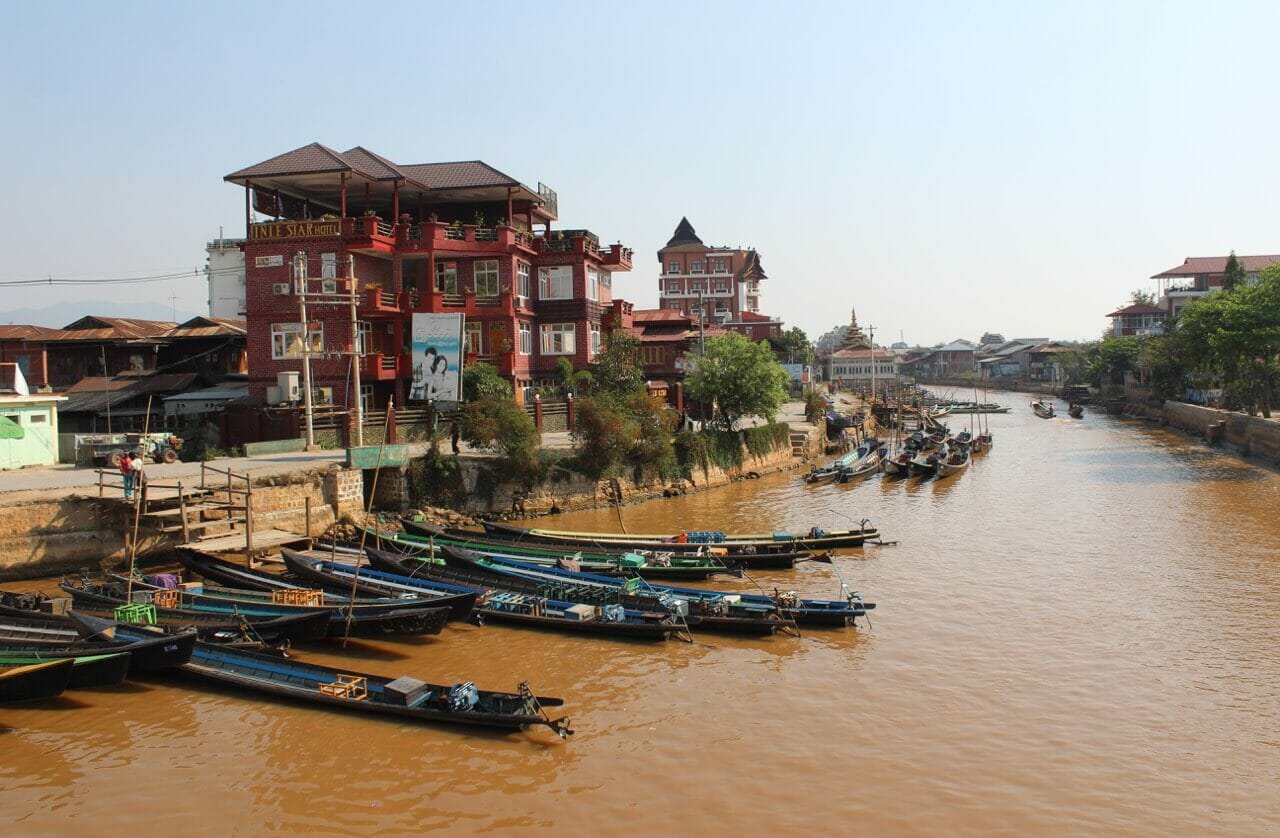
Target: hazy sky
946 168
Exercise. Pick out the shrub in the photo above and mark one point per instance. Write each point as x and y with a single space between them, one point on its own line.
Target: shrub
503 427
435 480
482 380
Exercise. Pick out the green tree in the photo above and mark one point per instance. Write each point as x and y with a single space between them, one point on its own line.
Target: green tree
1112 357
741 377
501 426
1237 332
796 345
1233 276
617 370
1141 297
482 380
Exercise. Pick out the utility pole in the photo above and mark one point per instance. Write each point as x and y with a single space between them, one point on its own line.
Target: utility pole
300 277
871 330
702 338
358 349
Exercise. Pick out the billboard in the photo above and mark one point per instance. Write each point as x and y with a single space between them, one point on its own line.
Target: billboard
436 358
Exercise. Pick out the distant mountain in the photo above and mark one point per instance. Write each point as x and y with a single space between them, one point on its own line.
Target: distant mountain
60 314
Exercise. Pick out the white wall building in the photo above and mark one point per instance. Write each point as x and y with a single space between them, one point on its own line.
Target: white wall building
852 367
225 271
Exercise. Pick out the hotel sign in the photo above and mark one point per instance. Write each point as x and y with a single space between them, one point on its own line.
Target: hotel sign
295 230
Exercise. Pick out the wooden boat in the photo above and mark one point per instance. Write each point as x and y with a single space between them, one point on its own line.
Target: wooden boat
362 623
150 655
814 540
866 467
242 630
36 682
926 462
679 562
812 612
1043 408
1076 411
725 613
224 572
899 465
522 609
362 692
103 670
837 467
955 462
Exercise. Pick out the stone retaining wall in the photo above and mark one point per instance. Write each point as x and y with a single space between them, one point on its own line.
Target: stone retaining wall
1253 435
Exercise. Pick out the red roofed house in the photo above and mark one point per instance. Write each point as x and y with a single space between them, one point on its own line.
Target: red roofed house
723 283
424 238
1137 319
1198 275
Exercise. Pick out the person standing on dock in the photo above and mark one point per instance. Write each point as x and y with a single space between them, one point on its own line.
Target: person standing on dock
126 469
135 467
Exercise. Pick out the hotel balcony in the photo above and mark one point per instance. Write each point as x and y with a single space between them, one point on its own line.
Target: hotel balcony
462 239
374 303
472 304
379 367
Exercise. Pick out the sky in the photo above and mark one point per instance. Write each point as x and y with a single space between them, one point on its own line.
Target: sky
946 168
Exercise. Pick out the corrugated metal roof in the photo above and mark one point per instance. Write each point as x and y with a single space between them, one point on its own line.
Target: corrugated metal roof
24 332
223 391
94 394
94 327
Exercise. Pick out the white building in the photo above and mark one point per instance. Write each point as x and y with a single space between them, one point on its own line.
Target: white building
852 367
225 270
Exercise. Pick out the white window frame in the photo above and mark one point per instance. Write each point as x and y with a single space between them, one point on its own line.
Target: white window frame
488 270
673 267
695 267
546 290
364 337
673 287
558 338
328 266
593 339
523 286
286 340
593 283
526 339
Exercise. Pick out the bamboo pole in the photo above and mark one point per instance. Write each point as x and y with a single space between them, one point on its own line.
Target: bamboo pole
137 508
364 530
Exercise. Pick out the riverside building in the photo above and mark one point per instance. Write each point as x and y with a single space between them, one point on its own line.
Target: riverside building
457 237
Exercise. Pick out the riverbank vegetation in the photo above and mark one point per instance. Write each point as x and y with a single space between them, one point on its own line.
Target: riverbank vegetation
1228 340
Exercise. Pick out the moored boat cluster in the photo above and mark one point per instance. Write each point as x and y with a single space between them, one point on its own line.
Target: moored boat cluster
235 625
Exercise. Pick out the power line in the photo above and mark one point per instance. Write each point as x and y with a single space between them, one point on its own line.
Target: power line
131 280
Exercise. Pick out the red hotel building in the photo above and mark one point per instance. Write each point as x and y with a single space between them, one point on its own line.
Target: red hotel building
433 237
723 281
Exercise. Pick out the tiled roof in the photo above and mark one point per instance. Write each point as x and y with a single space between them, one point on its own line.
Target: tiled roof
684 234
312 158
648 315
1197 265
364 160
751 268
1137 308
464 174
861 354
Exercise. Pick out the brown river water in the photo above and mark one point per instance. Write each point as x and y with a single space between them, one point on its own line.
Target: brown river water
1077 635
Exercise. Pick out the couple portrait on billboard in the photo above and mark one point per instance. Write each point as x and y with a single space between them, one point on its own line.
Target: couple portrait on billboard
437 359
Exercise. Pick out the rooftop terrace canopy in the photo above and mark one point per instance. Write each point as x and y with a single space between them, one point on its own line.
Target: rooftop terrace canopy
328 179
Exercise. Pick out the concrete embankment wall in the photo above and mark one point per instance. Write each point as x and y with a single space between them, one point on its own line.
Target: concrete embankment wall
1253 435
61 535
566 490
41 538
